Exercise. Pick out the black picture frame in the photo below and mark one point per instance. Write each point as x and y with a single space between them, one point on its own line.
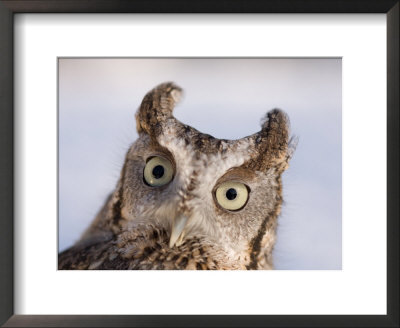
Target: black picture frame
10 7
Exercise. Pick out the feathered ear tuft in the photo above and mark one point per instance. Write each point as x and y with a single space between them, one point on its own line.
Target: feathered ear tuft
275 136
271 143
157 107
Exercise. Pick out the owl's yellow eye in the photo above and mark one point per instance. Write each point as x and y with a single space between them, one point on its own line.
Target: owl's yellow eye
232 195
158 171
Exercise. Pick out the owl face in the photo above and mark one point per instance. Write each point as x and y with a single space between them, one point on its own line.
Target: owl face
193 185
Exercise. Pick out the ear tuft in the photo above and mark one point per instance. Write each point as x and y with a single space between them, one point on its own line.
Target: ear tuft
275 132
275 118
271 143
157 106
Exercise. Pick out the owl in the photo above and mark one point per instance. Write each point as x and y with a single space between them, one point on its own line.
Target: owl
187 200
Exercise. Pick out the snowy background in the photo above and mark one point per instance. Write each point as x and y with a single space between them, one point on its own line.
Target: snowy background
225 98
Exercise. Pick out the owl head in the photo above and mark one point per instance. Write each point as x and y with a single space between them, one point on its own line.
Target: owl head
188 183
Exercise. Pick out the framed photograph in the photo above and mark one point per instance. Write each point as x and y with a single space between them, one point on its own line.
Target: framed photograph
259 141
87 133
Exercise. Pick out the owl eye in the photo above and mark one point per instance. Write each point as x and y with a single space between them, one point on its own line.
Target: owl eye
158 171
232 195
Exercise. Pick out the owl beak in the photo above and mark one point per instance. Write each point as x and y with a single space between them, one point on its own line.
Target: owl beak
177 233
